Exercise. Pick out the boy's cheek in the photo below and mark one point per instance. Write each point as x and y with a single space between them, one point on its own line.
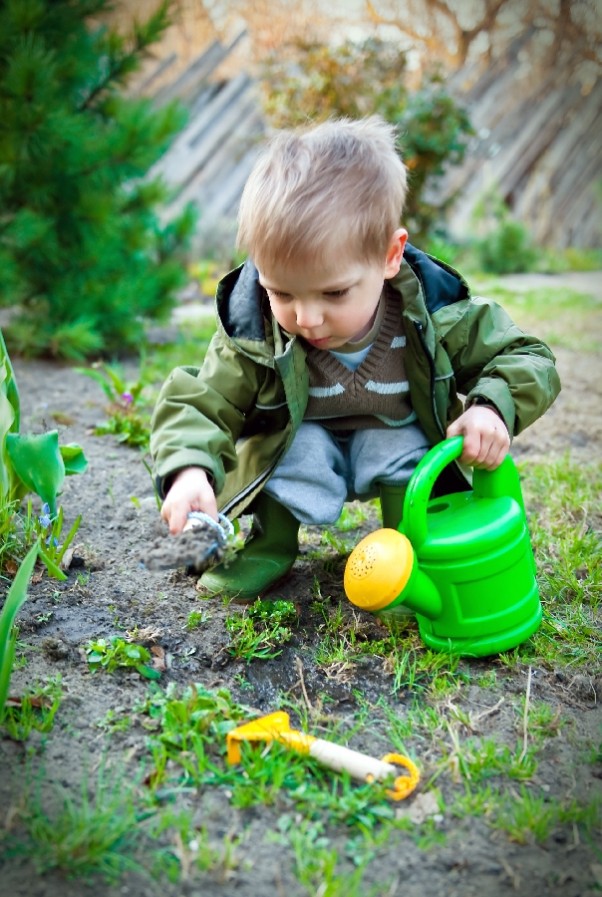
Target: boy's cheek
276 309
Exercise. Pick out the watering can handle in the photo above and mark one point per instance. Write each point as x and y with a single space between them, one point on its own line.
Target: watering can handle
496 483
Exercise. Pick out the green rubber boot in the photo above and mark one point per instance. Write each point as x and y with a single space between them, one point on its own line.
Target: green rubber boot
266 557
391 504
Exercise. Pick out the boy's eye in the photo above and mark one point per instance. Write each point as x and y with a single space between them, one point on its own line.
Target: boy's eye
279 294
336 294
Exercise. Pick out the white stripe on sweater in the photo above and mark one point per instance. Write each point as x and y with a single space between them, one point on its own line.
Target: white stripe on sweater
323 392
388 389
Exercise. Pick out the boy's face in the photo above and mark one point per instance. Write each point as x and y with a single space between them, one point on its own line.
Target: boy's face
333 302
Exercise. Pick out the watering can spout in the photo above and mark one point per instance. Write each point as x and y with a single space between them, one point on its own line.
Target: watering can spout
422 595
382 573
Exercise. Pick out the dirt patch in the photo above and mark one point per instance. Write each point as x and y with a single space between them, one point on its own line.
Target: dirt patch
196 549
111 591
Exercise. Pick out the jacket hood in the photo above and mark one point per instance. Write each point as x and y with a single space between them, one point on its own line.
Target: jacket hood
241 303
441 285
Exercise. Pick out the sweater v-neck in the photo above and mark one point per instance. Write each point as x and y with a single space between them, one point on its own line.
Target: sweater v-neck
335 369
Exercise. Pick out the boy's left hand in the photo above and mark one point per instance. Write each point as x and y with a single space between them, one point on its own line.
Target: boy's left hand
486 439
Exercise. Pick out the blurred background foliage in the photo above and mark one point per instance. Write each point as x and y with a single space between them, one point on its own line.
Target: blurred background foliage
305 82
89 259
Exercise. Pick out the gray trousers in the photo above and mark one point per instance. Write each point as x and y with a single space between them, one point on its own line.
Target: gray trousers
322 470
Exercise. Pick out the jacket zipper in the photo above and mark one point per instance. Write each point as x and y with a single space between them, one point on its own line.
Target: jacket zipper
420 331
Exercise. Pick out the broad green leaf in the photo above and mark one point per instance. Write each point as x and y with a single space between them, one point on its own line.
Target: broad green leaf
9 420
73 458
38 463
14 600
9 384
148 672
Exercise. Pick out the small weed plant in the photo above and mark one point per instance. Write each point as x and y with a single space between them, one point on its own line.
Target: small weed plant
116 653
564 500
128 415
35 710
196 619
261 630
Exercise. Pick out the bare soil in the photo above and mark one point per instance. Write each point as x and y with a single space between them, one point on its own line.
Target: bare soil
110 592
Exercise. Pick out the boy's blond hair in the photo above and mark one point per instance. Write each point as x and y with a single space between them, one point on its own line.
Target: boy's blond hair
339 185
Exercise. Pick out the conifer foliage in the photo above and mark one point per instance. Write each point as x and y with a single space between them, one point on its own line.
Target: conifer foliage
84 258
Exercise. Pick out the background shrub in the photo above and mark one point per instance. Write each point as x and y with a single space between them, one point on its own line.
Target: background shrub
310 81
84 258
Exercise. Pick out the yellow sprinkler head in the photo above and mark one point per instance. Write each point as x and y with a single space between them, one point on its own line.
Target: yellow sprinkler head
378 569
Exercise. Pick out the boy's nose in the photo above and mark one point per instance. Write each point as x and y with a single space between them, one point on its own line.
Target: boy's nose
308 315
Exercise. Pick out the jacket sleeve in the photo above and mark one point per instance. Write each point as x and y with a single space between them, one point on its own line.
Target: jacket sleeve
495 360
201 412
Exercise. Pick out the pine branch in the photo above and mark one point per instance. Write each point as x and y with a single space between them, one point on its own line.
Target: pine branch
122 65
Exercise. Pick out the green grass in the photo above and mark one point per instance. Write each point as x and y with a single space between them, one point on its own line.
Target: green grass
564 500
259 631
93 834
439 711
34 711
564 318
527 817
106 830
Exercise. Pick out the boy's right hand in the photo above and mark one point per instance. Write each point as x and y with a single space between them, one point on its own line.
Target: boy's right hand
190 491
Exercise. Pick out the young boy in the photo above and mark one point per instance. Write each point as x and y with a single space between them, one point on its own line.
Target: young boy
340 357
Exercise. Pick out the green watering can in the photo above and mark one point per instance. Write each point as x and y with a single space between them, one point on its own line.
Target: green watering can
463 563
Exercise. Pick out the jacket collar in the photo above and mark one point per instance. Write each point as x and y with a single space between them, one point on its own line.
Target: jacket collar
440 284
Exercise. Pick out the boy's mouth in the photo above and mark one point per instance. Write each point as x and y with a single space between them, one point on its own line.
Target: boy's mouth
318 343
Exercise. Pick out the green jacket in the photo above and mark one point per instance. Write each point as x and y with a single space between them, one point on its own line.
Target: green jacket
236 415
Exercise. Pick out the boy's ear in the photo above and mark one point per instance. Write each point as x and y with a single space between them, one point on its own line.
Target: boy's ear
395 252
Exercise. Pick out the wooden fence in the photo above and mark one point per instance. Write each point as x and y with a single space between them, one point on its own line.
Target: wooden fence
538 142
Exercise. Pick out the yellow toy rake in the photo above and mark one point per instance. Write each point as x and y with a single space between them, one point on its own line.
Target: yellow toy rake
276 727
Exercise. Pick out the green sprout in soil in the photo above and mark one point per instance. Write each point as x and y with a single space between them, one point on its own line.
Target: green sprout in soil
117 653
128 416
196 619
259 632
34 711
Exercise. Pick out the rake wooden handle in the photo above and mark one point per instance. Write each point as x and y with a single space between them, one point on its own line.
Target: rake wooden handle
343 759
365 768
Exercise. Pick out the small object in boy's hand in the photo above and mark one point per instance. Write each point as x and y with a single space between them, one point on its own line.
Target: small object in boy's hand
200 546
